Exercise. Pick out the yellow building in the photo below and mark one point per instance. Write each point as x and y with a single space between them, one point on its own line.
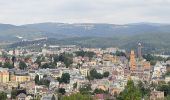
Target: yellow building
20 78
111 58
4 75
84 71
146 65
115 91
103 87
92 62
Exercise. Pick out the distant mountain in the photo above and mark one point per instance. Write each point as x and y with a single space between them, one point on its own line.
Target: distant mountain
64 30
6 26
153 35
100 30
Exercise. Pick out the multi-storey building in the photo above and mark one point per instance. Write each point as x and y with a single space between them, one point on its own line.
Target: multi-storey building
132 60
4 75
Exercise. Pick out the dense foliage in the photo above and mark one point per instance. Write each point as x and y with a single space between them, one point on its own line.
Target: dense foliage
85 54
61 91
8 65
1 64
100 91
165 88
75 85
143 88
85 89
15 92
77 96
95 75
47 65
43 81
131 92
119 53
65 78
22 65
105 74
153 59
66 58
3 96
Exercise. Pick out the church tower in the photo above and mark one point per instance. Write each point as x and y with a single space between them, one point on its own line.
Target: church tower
132 60
139 50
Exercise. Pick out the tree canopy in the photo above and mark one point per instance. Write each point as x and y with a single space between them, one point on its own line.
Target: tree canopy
119 53
43 81
85 54
143 88
8 65
61 91
165 88
131 92
95 75
22 65
99 91
85 89
77 96
65 78
3 96
105 74
153 59
47 65
67 59
36 79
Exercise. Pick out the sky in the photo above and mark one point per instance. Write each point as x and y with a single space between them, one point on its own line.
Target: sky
20 12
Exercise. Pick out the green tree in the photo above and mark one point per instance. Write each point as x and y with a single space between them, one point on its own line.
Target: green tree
131 92
164 88
120 53
143 88
8 65
153 59
3 96
95 75
53 97
22 65
85 89
77 96
61 91
68 62
47 65
66 58
105 74
99 91
56 59
39 60
1 64
13 93
85 54
16 91
36 79
167 97
13 60
75 85
44 82
65 78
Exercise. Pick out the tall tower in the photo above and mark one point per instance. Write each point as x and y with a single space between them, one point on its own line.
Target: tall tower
139 50
132 60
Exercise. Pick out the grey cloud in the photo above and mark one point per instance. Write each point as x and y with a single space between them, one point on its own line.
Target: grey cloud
108 11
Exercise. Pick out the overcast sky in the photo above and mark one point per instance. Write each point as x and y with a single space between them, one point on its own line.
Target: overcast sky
84 11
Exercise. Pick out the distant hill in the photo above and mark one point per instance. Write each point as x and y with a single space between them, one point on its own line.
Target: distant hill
154 36
64 30
6 26
99 30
